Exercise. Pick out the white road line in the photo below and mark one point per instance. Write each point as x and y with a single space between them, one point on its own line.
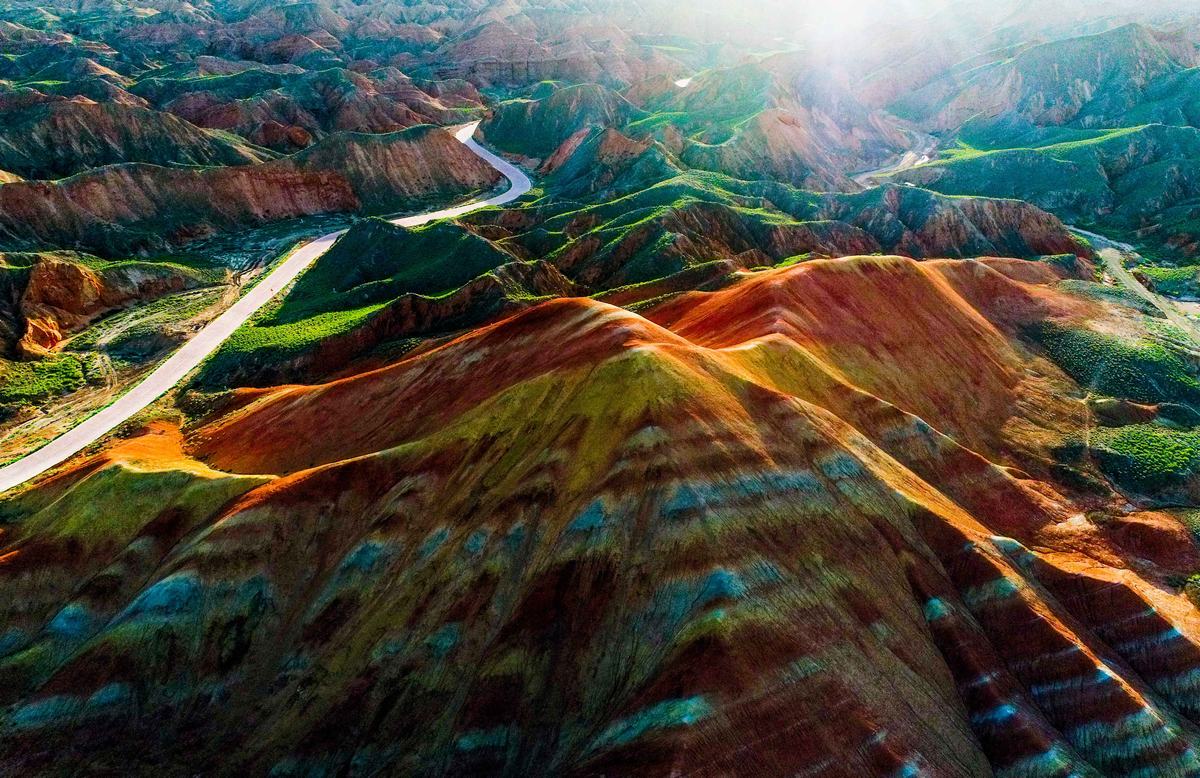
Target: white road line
205 342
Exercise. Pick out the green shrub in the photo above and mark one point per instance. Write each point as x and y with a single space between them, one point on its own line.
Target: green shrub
1175 281
1142 371
1147 457
30 382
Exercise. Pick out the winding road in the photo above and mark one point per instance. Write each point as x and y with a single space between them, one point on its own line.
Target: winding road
171 372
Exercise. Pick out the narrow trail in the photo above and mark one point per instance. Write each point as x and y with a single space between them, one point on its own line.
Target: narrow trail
177 367
1113 253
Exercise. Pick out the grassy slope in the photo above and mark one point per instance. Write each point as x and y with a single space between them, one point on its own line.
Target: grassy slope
1143 371
23 383
1117 180
375 263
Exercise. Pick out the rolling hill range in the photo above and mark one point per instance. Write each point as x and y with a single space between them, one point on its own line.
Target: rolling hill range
1100 129
767 119
1114 77
383 288
137 207
579 388
1140 182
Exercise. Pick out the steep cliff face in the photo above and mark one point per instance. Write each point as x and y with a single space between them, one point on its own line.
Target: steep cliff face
820 504
134 207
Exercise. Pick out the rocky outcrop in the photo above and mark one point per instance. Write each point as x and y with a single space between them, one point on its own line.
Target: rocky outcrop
50 296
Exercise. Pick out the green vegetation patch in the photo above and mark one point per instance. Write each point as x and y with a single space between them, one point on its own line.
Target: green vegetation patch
1143 371
372 266
1174 281
1147 457
23 383
1190 518
302 334
376 261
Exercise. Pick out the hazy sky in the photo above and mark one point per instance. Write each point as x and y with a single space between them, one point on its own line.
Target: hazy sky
861 32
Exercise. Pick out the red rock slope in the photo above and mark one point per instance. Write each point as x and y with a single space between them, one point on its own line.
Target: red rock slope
807 524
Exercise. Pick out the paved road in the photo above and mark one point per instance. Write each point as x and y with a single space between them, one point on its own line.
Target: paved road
205 342
1113 253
